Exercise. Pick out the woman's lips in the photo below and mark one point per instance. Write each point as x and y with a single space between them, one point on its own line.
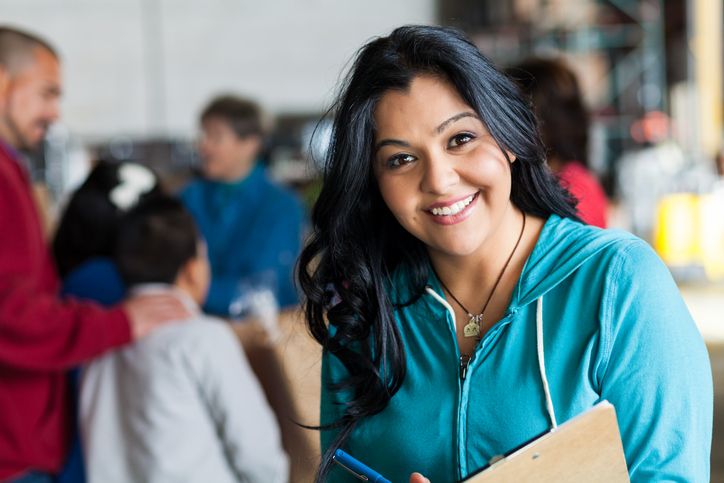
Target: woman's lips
453 211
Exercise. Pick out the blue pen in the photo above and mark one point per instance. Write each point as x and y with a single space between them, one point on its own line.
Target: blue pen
359 470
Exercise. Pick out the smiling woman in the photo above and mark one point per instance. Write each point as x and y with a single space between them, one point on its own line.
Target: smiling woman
438 163
438 235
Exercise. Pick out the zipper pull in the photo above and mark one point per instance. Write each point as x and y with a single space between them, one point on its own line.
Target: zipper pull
464 362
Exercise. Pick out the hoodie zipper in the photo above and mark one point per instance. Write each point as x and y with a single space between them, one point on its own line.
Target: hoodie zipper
464 363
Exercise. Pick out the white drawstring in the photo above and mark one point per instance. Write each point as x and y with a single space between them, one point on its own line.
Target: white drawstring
443 302
541 361
539 338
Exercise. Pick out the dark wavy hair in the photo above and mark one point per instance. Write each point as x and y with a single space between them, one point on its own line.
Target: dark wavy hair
558 104
88 227
356 241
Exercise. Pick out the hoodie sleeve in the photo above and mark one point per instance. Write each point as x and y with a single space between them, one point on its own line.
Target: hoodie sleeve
657 372
331 404
331 410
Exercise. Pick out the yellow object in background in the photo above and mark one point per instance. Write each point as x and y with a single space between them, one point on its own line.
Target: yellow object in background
676 230
711 234
690 231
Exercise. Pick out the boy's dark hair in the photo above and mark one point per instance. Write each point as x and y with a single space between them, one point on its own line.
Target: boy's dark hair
155 240
243 115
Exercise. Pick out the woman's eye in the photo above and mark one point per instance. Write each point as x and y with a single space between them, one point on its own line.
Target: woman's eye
400 160
460 139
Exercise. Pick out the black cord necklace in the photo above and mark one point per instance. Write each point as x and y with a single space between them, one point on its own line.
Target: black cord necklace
473 328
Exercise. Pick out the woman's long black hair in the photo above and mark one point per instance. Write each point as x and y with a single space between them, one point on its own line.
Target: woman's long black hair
356 242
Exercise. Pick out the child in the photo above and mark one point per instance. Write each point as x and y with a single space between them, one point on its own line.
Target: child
83 246
182 404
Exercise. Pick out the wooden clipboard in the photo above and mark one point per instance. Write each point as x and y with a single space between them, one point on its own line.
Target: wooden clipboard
586 448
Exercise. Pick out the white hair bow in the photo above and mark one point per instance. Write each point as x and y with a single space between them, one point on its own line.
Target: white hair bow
134 180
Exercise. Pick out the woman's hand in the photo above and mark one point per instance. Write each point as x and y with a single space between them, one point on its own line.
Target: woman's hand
418 478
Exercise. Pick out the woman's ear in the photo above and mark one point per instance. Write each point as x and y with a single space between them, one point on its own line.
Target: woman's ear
511 157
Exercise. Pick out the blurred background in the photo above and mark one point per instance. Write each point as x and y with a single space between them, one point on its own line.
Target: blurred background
138 72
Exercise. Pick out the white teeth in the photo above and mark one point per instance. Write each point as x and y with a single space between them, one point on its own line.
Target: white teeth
454 208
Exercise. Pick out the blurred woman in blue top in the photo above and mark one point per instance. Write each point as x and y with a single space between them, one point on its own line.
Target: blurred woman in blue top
445 255
252 224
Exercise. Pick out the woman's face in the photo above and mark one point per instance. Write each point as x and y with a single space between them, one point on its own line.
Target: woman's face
438 168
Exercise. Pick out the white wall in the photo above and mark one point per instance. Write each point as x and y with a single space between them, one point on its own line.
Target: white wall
147 67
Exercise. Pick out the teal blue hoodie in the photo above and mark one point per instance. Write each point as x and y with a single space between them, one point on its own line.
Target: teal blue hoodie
614 327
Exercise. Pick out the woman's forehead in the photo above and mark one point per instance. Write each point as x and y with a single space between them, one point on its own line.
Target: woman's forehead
427 104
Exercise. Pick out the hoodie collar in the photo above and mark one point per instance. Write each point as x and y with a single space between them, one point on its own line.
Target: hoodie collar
563 246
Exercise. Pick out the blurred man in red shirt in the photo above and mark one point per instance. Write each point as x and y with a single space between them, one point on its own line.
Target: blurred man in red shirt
41 336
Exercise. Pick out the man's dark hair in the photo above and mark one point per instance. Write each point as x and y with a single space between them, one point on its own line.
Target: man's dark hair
155 240
243 115
18 47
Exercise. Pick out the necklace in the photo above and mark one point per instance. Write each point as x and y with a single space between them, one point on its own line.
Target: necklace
473 329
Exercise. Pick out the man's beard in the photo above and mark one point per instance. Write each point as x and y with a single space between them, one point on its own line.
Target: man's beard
23 143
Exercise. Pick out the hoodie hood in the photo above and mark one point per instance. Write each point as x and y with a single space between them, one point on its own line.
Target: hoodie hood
563 246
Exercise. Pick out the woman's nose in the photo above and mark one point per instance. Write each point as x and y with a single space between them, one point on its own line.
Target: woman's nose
439 174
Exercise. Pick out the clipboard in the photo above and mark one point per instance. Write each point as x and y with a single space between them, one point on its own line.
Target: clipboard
585 448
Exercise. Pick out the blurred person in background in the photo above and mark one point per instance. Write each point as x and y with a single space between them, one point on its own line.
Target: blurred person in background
85 239
182 404
83 246
252 224
41 335
558 104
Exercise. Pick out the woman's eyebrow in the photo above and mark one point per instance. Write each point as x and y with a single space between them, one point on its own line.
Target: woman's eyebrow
440 128
457 117
391 142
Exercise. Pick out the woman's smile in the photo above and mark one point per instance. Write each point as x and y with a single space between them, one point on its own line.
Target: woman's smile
438 168
453 211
